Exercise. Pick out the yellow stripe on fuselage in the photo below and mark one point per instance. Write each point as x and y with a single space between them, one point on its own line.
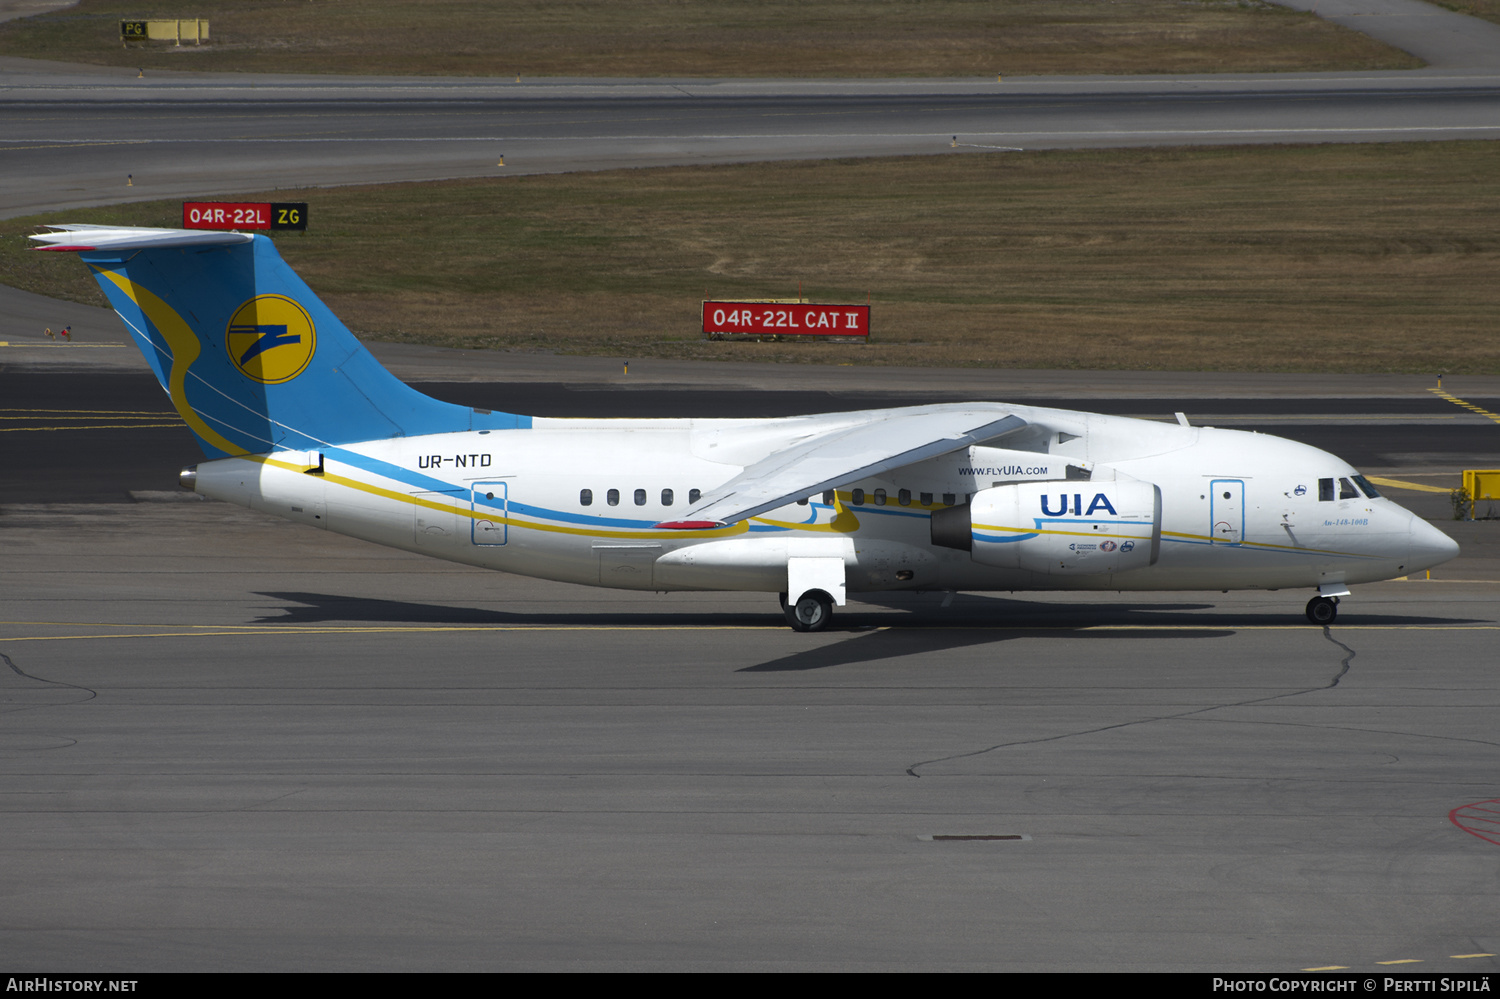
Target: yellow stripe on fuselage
1183 536
472 514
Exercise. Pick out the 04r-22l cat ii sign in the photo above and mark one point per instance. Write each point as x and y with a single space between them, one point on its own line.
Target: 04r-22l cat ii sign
297 419
777 319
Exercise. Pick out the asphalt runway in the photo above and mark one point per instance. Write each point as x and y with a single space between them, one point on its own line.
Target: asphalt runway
76 136
60 153
232 743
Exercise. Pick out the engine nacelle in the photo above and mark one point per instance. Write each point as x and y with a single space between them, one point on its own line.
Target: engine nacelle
1063 527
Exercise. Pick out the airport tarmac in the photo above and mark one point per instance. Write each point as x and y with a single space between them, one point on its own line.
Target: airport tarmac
237 743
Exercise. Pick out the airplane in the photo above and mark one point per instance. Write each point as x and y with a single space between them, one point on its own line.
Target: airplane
297 419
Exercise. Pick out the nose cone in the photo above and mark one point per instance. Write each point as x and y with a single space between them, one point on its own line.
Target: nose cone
1429 546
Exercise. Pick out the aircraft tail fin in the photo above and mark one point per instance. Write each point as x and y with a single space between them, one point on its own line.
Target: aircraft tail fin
251 358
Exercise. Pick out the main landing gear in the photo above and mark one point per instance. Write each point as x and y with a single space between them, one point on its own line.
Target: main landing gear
812 611
1322 610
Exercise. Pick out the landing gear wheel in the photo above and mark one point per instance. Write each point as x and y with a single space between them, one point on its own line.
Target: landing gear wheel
1322 610
812 611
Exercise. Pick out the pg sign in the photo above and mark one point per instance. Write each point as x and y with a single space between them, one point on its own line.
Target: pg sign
785 319
239 215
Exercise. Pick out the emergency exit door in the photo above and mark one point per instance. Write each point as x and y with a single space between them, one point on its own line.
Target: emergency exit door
1226 511
487 504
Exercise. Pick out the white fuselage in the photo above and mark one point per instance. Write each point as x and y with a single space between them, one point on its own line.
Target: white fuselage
578 501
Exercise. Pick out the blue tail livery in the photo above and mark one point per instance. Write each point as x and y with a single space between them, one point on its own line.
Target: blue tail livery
252 359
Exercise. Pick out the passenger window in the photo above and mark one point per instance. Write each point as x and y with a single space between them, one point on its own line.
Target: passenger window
828 497
925 499
949 499
880 497
904 497
1325 490
694 495
612 497
585 497
640 497
666 497
857 497
803 501
1364 484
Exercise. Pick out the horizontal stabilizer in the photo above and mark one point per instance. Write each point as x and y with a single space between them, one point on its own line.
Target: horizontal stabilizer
107 237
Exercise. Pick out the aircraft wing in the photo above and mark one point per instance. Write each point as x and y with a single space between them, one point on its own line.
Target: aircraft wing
844 455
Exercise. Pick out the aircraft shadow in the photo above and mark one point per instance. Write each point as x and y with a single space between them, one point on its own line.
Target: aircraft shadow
986 611
901 625
895 642
904 612
326 608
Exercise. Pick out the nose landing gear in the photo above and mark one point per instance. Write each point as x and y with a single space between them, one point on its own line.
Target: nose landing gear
1323 610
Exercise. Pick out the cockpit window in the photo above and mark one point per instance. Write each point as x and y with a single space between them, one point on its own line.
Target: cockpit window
1347 490
1365 487
1325 490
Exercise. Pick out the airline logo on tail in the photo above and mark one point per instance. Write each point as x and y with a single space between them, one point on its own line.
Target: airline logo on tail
270 339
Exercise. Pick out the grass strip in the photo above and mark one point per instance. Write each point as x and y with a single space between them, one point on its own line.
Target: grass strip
1489 10
712 38
1267 258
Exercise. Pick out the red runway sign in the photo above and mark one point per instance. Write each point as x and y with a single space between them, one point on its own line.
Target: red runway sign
782 319
244 215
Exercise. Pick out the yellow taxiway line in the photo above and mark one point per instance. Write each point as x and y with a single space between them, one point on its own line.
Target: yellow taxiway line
296 631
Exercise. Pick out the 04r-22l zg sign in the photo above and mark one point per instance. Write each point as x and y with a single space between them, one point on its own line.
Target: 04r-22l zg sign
240 215
785 319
